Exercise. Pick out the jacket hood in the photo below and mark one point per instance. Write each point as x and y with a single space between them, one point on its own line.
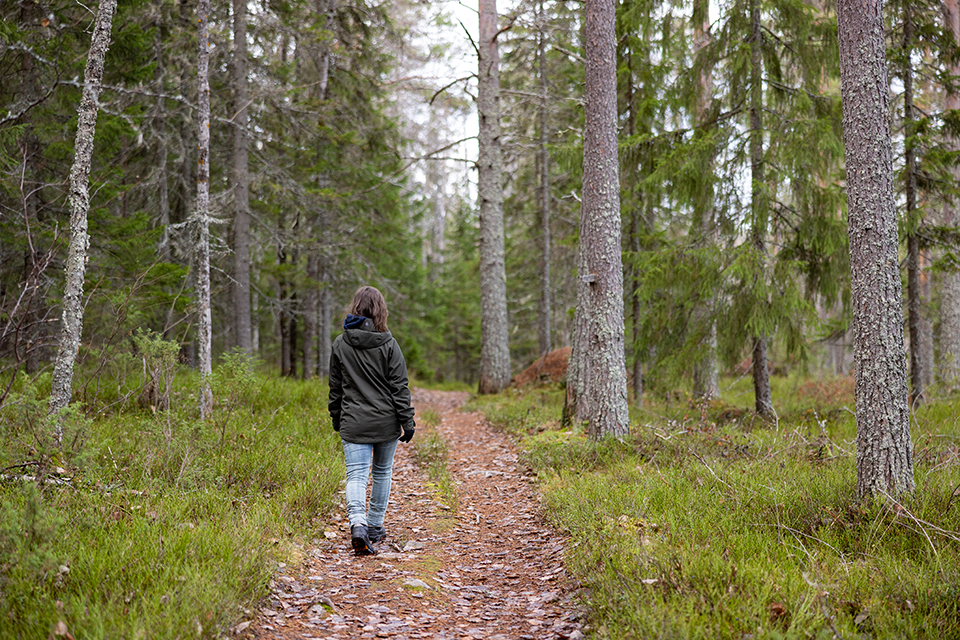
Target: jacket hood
359 333
357 322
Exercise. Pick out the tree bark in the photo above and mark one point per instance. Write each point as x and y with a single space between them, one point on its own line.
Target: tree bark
310 314
202 215
706 382
79 206
636 223
913 237
950 294
283 295
884 450
600 273
761 377
494 335
636 308
325 328
545 284
163 192
241 183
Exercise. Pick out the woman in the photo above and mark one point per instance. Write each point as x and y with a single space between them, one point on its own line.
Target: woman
370 406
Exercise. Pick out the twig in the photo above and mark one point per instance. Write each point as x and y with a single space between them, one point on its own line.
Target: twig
576 56
447 86
476 49
951 535
32 463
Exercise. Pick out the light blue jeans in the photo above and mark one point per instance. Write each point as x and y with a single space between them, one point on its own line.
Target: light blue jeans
358 458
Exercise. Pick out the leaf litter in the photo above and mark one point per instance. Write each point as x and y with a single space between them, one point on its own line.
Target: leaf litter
491 569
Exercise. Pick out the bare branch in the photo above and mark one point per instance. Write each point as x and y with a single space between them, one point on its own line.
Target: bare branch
445 87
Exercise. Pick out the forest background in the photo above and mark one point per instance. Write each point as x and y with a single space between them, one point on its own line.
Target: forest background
359 172
733 212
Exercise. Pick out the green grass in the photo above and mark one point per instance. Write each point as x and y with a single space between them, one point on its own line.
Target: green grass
708 523
167 526
432 454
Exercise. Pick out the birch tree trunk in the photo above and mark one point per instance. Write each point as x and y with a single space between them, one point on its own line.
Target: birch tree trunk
884 450
72 328
494 337
950 294
600 272
758 205
202 211
241 183
545 284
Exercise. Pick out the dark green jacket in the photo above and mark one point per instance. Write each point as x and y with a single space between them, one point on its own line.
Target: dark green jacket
369 396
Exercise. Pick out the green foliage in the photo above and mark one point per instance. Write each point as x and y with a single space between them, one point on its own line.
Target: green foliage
157 523
432 455
707 525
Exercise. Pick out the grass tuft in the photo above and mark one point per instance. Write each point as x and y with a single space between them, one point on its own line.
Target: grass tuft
432 455
707 523
151 523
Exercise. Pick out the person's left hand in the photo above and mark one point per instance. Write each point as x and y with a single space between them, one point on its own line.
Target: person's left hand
408 431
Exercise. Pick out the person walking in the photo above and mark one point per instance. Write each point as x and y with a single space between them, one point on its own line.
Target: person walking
370 407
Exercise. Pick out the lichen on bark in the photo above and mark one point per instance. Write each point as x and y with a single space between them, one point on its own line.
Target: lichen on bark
884 449
72 327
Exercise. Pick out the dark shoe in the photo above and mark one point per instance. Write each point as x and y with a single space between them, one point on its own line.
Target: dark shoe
360 539
377 533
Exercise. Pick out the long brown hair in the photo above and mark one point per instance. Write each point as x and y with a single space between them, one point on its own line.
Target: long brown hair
369 303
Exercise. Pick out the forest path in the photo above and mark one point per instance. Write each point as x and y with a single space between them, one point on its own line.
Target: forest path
493 568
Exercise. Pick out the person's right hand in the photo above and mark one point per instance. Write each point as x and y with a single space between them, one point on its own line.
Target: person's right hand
408 431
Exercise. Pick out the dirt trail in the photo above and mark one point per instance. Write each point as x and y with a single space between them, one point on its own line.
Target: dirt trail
493 569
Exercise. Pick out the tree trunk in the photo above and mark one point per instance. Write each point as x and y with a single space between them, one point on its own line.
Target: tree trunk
325 328
241 183
913 237
283 295
79 205
950 294
574 400
202 219
926 323
310 308
254 308
600 273
545 284
494 337
758 206
884 450
636 309
706 382
163 192
634 206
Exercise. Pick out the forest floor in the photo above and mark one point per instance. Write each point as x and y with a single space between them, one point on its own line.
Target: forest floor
490 568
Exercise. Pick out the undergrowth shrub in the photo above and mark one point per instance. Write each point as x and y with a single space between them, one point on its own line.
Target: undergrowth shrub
704 522
150 522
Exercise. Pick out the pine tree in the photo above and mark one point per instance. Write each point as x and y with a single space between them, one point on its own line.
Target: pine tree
598 347
884 450
494 348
